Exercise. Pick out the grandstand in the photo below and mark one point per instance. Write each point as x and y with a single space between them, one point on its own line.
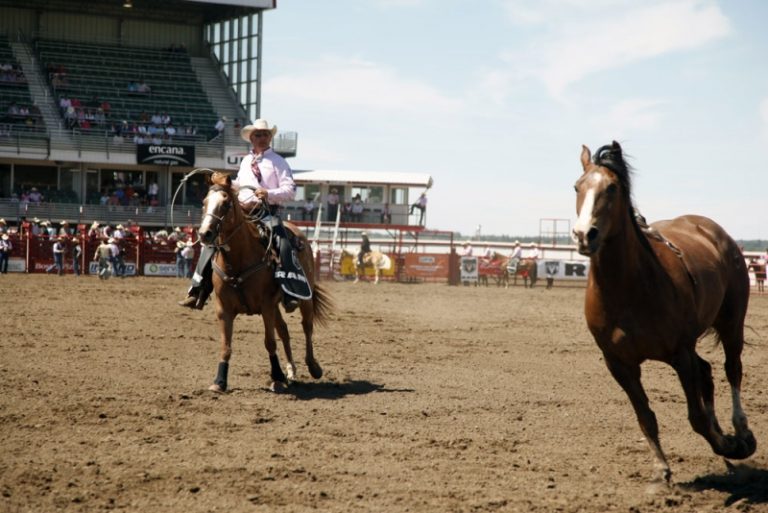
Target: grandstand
86 88
102 83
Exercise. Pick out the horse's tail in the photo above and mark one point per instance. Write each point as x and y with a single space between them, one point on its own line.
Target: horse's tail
322 305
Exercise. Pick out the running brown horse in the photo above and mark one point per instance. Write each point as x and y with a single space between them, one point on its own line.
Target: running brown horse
652 292
244 282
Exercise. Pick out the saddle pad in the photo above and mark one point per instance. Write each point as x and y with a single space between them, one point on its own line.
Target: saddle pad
291 276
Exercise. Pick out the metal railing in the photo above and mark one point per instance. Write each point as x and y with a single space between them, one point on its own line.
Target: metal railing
183 215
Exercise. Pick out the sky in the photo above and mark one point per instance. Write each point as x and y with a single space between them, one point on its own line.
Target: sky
495 98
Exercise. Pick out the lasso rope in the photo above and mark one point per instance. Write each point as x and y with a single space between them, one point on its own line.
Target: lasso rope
181 184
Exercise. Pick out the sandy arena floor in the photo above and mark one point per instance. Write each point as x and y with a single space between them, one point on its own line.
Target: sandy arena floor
434 399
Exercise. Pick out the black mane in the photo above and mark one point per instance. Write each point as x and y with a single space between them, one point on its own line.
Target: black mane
611 157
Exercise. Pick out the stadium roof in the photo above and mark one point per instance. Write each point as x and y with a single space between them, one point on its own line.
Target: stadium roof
364 177
197 11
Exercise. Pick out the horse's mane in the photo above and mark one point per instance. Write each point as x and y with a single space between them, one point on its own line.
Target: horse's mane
611 157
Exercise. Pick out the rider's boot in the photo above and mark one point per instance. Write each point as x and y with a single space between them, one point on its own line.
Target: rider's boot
202 285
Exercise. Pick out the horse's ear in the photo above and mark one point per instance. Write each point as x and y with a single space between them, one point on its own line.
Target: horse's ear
616 147
586 157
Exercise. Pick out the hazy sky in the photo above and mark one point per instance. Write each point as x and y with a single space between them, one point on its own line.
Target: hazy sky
494 99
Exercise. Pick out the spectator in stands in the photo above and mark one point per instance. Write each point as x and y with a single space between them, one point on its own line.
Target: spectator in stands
133 86
386 215
236 126
77 252
104 199
170 130
34 196
143 88
421 204
5 252
218 128
333 204
165 119
153 190
346 212
308 209
357 209
467 249
3 226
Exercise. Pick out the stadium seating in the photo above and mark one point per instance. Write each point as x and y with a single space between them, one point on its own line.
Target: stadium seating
95 74
18 114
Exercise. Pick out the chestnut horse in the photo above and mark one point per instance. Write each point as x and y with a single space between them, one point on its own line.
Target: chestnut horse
244 282
528 268
652 292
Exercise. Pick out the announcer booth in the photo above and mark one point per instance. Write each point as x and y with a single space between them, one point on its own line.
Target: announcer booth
378 203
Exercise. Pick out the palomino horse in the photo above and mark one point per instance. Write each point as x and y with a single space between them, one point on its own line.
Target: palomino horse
379 261
653 291
244 281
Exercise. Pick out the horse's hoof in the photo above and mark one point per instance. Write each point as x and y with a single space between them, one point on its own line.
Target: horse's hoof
216 388
315 370
277 387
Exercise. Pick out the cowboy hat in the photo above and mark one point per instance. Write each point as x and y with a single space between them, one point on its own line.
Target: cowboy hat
75 240
120 227
110 240
190 243
180 244
5 236
2 221
259 124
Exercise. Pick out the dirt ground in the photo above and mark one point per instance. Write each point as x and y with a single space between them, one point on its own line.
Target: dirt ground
434 399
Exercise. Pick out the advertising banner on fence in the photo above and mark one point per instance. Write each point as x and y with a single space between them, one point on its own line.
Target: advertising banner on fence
130 268
468 269
563 269
159 269
426 266
16 265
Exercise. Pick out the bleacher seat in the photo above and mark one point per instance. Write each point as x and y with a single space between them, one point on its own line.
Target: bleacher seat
99 73
14 95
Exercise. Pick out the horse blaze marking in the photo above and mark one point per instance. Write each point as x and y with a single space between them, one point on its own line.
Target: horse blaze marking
575 269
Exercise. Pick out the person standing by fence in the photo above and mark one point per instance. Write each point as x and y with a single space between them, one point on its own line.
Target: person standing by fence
103 255
77 252
5 252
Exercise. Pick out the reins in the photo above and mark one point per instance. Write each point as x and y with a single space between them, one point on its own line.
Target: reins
221 245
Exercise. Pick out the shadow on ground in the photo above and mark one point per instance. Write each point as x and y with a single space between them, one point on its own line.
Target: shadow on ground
331 390
742 483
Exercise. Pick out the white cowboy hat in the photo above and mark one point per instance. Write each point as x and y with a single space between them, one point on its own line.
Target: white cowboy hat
259 124
110 240
190 243
120 227
2 221
517 243
5 236
180 244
